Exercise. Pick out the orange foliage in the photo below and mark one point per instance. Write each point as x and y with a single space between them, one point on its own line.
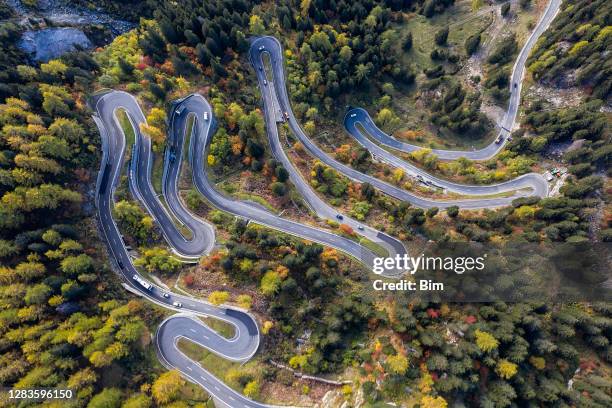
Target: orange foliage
282 271
167 67
409 134
343 153
189 280
346 229
237 145
329 254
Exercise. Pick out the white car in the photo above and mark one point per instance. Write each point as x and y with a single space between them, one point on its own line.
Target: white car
166 295
265 82
353 115
177 304
261 48
205 115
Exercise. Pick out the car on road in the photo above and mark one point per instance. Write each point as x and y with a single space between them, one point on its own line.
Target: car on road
499 139
353 115
205 115
166 295
120 264
265 82
261 48
179 110
177 304
339 216
515 85
287 115
360 227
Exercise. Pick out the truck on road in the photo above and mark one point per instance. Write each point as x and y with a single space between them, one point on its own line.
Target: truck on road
143 282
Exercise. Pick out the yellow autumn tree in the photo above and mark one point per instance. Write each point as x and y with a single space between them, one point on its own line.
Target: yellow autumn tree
524 212
157 136
397 364
398 175
167 387
506 369
256 25
433 402
485 341
245 301
54 67
426 381
267 326
157 118
218 297
251 390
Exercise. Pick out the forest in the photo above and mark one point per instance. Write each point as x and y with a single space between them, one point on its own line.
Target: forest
574 51
65 320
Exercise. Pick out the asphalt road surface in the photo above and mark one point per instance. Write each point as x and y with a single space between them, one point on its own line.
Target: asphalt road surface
535 182
360 116
273 114
245 342
203 235
196 106
271 46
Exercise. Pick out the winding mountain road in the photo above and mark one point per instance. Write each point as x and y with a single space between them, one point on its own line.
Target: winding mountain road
171 219
360 116
274 92
245 342
273 114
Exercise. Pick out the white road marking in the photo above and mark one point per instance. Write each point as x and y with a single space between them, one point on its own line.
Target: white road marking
189 368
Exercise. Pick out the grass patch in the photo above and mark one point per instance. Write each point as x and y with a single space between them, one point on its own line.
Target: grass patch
185 232
374 247
214 364
157 172
259 200
462 23
126 126
496 195
190 122
223 328
232 190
